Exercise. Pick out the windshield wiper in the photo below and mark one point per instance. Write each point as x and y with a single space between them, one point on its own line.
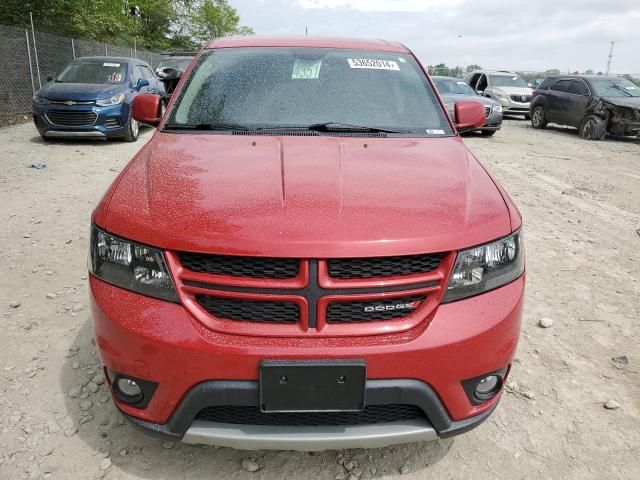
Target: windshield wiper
206 126
345 127
622 89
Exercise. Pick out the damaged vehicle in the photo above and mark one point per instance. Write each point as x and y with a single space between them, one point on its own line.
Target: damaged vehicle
596 105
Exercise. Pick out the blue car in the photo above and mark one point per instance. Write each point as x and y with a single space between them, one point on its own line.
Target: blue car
91 98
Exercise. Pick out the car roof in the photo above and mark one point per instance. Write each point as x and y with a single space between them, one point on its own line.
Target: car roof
109 59
307 42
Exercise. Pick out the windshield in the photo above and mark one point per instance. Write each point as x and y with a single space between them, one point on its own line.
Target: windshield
283 88
450 86
614 87
93 72
506 81
177 63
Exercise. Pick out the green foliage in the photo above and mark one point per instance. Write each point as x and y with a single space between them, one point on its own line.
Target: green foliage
154 24
216 18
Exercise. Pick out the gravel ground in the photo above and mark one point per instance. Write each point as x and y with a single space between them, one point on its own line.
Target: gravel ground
570 410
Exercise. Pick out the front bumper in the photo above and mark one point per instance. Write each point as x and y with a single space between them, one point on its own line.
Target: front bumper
110 121
494 122
197 367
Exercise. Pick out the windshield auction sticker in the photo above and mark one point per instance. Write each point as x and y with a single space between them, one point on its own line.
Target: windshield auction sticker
306 69
373 64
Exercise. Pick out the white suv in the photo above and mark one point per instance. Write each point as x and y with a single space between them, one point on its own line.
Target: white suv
505 87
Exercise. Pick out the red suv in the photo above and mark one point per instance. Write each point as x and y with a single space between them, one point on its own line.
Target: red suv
305 255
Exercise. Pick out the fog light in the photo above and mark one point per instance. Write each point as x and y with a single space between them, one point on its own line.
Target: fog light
488 387
129 390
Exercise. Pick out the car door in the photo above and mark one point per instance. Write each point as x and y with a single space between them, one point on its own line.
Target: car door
579 94
482 84
558 102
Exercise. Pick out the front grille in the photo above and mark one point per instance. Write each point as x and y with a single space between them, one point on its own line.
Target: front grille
487 111
251 267
371 310
521 98
372 414
249 310
72 118
349 268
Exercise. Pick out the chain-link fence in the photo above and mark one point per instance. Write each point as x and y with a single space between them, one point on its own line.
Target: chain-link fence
27 58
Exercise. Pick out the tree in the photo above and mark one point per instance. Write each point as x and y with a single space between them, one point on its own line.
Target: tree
472 67
216 18
154 24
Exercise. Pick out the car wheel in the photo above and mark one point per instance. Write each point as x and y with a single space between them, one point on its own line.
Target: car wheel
133 130
488 133
592 128
539 118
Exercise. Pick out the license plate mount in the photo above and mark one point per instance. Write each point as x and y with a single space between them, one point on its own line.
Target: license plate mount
312 385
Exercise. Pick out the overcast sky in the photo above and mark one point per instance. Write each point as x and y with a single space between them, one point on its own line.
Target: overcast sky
518 35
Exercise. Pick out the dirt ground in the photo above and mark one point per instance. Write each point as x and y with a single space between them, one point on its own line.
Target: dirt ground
581 203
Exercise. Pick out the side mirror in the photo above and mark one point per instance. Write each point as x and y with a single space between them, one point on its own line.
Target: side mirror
143 82
146 109
480 92
469 115
49 78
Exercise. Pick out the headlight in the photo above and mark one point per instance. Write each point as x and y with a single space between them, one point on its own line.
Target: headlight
129 265
486 267
115 100
39 100
497 108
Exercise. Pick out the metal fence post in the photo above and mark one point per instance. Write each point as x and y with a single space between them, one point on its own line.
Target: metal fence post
33 86
35 49
106 54
73 48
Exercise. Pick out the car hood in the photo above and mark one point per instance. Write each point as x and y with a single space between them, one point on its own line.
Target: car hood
79 91
301 196
631 102
451 99
515 90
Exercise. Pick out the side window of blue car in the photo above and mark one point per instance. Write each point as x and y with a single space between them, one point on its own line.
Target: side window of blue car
137 74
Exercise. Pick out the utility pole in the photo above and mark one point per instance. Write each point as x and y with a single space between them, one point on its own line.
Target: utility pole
610 58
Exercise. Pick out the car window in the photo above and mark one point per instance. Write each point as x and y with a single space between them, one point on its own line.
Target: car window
298 87
93 72
147 73
561 86
506 81
578 87
615 87
482 83
474 80
453 86
136 74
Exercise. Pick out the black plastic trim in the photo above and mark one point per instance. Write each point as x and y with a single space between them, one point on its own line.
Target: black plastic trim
247 393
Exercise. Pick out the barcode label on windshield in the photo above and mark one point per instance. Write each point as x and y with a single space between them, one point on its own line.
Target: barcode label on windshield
373 64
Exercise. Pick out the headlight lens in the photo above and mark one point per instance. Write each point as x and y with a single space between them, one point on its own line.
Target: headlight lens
126 264
115 100
497 108
39 100
486 267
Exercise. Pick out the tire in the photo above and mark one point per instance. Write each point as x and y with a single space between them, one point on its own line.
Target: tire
592 128
539 117
488 133
133 130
